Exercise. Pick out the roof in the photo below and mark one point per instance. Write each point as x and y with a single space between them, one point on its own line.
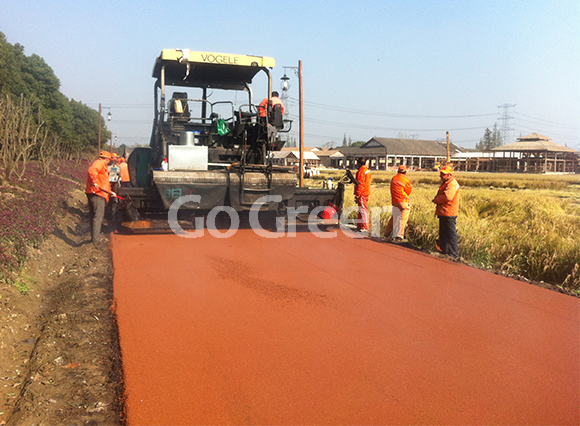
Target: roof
534 142
473 154
306 148
184 67
360 151
534 137
308 155
280 154
328 153
408 146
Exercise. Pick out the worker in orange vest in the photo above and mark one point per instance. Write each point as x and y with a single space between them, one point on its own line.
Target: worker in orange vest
447 201
125 178
400 191
362 191
263 108
98 191
114 172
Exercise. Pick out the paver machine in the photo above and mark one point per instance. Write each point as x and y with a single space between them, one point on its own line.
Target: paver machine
210 138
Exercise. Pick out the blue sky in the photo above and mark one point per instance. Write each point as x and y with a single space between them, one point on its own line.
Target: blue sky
371 68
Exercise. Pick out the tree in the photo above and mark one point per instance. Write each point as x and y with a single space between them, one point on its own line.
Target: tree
344 142
19 134
491 139
84 121
358 143
496 138
74 124
121 149
486 142
10 76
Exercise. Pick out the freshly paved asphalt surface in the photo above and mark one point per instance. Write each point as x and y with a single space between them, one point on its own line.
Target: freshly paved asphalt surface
305 330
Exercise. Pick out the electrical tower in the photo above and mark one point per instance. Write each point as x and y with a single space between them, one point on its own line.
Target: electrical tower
505 122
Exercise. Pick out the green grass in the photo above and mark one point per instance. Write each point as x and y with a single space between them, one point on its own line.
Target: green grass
532 232
23 283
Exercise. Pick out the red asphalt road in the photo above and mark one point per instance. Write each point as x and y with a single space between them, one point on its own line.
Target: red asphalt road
250 330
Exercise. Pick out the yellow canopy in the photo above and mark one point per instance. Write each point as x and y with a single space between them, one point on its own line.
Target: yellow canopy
216 58
187 68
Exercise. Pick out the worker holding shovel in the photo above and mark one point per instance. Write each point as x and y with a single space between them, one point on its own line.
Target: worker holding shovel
98 191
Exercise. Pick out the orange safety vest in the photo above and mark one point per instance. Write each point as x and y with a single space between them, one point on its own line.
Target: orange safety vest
400 189
447 199
124 171
275 101
98 173
363 175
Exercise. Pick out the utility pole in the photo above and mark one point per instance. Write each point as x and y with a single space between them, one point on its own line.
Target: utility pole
301 112
109 118
448 150
99 127
285 87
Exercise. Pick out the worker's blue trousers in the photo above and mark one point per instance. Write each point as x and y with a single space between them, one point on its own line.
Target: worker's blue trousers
448 235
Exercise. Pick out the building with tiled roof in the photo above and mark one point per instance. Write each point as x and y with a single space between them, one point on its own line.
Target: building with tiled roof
292 158
389 153
535 153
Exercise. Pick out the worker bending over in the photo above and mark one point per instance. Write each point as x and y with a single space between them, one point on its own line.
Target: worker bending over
98 191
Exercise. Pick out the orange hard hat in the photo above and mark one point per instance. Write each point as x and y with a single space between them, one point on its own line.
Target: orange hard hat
402 169
446 170
105 154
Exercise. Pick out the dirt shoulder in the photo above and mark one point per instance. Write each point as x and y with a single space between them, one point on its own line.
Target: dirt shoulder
59 351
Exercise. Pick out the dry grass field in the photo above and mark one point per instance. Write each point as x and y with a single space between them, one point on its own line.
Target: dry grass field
524 225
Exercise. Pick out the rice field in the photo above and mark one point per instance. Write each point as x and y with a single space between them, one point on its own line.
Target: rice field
524 225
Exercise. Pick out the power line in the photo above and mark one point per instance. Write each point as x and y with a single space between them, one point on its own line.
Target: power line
361 126
547 121
312 135
387 114
147 106
131 137
505 115
131 121
544 131
543 124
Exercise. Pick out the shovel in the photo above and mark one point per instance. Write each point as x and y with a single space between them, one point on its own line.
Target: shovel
109 192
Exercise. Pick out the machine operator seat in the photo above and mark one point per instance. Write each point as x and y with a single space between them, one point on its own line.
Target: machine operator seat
178 107
276 119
